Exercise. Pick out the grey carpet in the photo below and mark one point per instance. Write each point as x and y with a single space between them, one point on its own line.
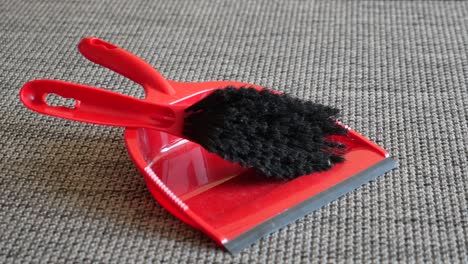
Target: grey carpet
398 69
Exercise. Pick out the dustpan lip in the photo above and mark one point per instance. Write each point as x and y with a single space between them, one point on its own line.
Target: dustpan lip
314 203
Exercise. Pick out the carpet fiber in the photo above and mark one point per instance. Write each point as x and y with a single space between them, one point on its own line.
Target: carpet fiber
397 69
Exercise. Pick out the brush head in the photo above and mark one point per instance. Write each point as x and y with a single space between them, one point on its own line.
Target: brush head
278 135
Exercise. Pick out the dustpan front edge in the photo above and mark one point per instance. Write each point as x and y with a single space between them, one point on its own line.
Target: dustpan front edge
292 214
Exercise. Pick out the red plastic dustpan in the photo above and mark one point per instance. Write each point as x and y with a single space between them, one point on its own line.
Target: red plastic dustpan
231 204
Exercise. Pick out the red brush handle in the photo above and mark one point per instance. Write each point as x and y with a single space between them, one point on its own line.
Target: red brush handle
99 106
124 63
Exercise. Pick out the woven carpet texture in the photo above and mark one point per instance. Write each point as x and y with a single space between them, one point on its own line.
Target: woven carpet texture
398 70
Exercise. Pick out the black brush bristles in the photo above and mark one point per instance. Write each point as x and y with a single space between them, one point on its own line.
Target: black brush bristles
278 135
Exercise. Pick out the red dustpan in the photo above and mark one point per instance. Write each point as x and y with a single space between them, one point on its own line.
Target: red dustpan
231 204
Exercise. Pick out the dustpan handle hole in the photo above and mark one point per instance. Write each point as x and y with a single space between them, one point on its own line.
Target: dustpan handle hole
55 100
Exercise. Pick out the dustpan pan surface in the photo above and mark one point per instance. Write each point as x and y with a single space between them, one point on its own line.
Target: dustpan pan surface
231 204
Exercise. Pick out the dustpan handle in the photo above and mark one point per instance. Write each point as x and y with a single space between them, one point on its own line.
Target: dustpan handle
124 63
100 106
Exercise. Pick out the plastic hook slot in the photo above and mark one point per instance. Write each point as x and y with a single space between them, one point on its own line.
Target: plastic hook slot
55 100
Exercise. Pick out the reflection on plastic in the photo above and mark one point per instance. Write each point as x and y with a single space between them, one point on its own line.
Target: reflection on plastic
183 166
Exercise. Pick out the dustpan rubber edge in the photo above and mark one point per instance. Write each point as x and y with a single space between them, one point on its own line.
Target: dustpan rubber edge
292 214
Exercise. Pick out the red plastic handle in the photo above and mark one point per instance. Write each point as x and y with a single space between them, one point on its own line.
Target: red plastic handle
99 106
124 63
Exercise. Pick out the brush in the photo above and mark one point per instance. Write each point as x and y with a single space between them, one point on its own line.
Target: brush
279 136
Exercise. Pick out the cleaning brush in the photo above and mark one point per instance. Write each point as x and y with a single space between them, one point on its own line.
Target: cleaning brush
278 135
